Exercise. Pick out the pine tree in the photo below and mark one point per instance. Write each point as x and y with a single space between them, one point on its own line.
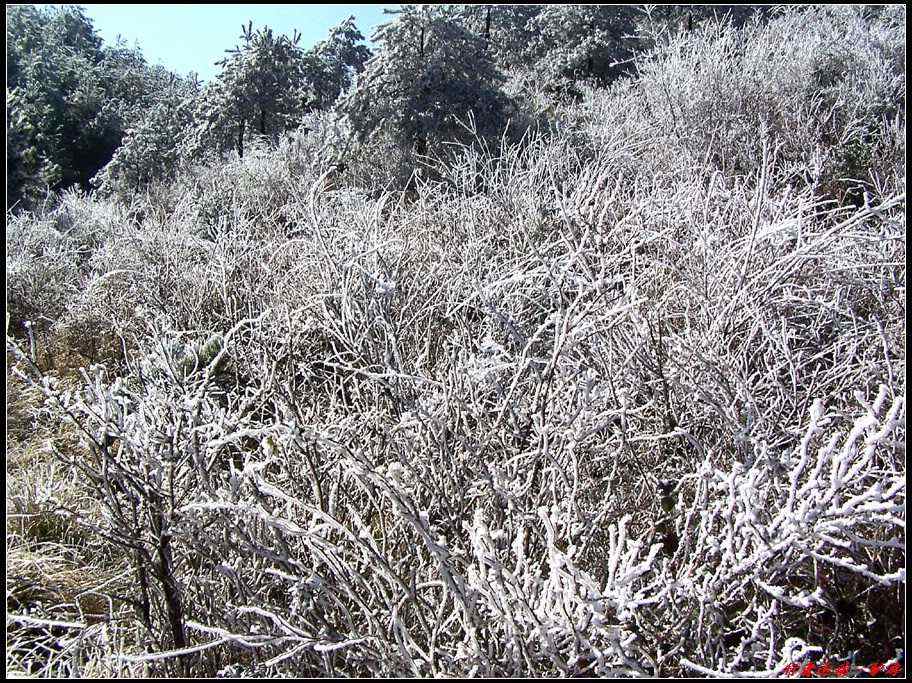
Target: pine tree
261 89
574 42
507 30
332 64
152 149
70 99
429 73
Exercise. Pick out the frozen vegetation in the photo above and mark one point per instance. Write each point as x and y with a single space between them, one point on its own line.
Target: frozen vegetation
601 376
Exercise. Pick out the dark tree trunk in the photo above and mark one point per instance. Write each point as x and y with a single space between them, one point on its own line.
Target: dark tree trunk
164 570
240 139
144 605
487 30
172 594
421 145
686 22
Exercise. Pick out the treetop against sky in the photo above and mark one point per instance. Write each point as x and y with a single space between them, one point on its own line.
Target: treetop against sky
193 37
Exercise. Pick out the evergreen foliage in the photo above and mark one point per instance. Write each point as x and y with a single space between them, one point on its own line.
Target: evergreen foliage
332 64
268 84
154 148
507 30
576 42
429 73
260 89
70 99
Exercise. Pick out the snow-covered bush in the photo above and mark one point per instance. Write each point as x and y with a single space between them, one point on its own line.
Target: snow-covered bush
41 271
418 438
818 80
588 404
48 252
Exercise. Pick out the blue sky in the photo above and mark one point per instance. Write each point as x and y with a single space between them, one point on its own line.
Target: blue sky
187 38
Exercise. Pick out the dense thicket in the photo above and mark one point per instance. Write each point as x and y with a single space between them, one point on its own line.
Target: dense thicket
70 99
527 349
85 114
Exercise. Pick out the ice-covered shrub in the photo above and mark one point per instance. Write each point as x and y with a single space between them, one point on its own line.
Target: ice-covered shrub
589 404
48 253
298 532
41 271
817 79
264 187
